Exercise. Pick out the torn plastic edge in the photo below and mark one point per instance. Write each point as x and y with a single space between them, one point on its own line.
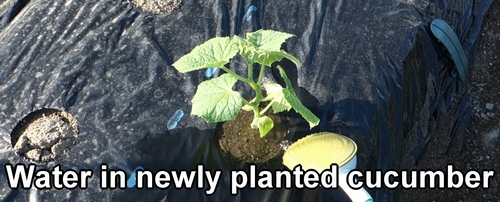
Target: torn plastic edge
444 33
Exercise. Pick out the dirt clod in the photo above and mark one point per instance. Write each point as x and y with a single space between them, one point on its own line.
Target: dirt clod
44 135
245 143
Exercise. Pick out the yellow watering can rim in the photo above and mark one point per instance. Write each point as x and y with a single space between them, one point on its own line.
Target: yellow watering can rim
318 151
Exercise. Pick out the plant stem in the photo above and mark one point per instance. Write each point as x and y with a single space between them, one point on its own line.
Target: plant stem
261 74
266 108
245 101
251 82
258 92
249 70
256 88
257 99
235 75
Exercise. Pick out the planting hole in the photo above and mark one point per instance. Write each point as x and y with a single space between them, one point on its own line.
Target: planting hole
44 135
241 141
157 6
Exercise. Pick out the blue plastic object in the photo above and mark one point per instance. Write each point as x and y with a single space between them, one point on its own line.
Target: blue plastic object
444 33
248 15
210 72
133 178
172 123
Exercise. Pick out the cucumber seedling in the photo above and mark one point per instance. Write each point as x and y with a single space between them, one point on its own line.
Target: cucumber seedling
216 101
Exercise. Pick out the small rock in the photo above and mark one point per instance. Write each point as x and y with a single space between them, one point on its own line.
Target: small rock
489 106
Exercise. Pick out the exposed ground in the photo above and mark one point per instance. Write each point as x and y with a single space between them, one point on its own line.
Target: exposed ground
240 141
44 135
482 147
157 6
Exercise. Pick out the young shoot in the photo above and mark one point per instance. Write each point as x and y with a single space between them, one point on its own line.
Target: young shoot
216 101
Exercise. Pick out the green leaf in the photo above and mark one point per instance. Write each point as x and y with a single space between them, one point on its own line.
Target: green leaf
215 101
277 98
241 42
265 125
284 54
267 58
288 83
264 47
268 40
293 99
215 52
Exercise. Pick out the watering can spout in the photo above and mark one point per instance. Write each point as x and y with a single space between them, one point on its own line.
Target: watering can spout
356 195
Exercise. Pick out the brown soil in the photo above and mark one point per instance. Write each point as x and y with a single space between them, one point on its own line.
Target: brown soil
245 143
44 135
481 150
157 6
